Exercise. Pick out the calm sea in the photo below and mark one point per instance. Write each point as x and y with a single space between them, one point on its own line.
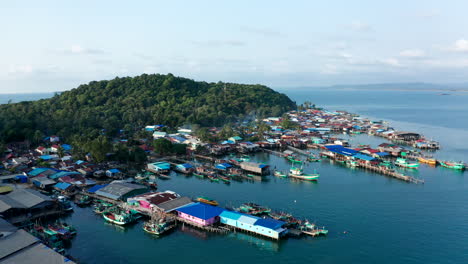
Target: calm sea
371 218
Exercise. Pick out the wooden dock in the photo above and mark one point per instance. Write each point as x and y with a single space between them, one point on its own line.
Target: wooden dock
214 229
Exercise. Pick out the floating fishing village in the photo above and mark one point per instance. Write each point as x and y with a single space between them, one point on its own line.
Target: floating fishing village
40 185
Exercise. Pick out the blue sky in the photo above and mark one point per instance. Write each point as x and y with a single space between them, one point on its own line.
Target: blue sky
57 45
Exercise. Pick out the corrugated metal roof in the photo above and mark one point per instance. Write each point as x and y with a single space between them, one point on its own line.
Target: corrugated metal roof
62 185
248 219
24 198
175 204
115 190
269 223
16 242
38 253
230 215
96 188
201 210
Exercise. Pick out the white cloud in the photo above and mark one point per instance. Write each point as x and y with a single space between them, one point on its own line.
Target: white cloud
391 62
360 26
413 53
460 45
20 69
78 49
329 69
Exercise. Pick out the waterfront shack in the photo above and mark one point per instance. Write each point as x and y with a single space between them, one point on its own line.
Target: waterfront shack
159 167
184 168
150 201
18 246
25 204
266 227
200 213
253 167
121 190
114 173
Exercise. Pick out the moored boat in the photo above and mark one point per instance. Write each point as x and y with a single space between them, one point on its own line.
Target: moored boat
453 165
401 162
278 173
119 218
299 174
430 161
206 200
158 227
253 209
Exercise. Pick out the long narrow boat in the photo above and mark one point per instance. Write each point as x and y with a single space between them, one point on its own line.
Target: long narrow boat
430 161
225 179
453 165
401 162
122 218
298 173
206 200
280 174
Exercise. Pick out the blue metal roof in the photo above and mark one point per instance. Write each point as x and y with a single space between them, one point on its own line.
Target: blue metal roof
269 223
162 165
382 153
114 170
341 150
201 210
96 188
363 157
62 185
38 171
230 215
63 174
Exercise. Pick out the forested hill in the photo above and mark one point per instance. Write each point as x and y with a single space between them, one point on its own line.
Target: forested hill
132 102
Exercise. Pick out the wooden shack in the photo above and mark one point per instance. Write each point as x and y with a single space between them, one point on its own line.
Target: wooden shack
253 167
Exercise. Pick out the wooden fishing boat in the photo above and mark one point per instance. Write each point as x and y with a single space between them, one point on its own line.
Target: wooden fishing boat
119 218
206 200
401 162
253 209
225 179
158 227
198 175
298 173
278 173
453 165
294 159
213 178
430 161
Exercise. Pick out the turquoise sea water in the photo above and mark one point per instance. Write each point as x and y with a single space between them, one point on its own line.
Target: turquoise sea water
371 218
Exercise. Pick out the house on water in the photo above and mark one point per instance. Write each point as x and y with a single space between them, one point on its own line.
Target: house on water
256 168
159 167
200 213
262 226
121 190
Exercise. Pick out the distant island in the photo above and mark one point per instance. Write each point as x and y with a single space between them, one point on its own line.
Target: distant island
127 104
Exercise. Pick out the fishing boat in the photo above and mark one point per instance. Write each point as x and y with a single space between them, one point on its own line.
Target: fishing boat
206 200
453 165
294 159
430 161
213 178
83 200
198 175
278 173
299 174
62 232
313 158
401 162
253 209
158 227
65 203
225 179
279 216
119 217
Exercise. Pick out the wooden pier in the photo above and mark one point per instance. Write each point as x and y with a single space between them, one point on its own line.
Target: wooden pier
214 229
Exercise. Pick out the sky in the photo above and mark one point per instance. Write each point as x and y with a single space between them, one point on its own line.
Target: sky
58 45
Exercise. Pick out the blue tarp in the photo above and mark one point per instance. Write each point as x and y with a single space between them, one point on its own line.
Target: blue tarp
114 170
96 188
46 157
62 185
201 210
269 223
21 178
66 147
223 166
185 165
261 166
